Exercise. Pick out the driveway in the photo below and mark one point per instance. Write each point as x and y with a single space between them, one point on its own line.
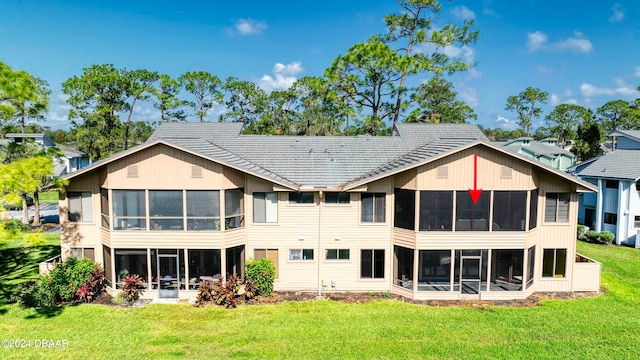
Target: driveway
48 212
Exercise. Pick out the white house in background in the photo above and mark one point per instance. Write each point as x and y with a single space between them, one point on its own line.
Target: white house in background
73 159
546 151
616 206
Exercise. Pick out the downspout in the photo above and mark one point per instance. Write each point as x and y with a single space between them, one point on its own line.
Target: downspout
320 196
628 213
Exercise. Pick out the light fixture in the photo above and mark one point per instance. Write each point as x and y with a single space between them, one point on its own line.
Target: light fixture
337 238
301 238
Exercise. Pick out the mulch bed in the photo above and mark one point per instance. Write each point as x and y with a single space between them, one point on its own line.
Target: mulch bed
359 298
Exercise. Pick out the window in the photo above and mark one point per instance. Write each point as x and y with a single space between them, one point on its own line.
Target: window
531 253
301 254
129 262
203 263
81 253
636 221
203 210
611 218
533 209
556 208
337 198
470 216
129 210
234 208
436 210
434 270
403 267
509 210
337 254
271 254
80 209
373 207
301 198
372 264
506 270
104 207
612 184
265 207
405 209
554 262
165 210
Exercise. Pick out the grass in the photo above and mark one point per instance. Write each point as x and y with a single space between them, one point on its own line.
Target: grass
591 328
49 197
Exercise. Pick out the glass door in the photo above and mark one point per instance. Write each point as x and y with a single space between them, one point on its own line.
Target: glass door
470 275
168 275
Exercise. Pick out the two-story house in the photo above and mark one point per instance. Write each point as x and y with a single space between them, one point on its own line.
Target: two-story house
546 151
70 161
436 212
616 205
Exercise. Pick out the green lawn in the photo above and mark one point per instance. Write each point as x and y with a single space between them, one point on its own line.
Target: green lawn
50 197
593 328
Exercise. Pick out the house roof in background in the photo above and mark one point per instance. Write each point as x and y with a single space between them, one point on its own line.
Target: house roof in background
632 134
619 164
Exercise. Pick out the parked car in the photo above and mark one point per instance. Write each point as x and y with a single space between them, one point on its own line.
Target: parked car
19 206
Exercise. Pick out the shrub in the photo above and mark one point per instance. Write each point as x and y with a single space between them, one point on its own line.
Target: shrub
262 273
206 292
31 294
227 291
119 299
249 290
132 287
35 239
581 234
604 237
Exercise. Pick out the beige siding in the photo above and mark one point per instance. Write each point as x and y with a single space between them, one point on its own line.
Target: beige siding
406 179
166 239
471 240
162 167
586 276
489 177
405 238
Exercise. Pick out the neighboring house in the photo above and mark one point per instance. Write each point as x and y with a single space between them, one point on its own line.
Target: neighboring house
546 151
616 206
71 161
333 213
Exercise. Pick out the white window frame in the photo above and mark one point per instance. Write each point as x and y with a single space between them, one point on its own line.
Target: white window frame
269 206
337 258
84 200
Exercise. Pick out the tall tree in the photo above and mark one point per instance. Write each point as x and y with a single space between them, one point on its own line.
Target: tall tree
366 75
167 100
138 86
205 87
589 136
22 97
527 106
96 98
437 103
563 121
617 115
416 25
246 101
278 117
321 111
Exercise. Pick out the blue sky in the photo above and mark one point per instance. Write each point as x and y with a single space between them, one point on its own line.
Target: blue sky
579 52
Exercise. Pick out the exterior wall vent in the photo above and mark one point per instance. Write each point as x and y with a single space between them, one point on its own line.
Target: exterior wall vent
443 172
506 172
132 171
196 171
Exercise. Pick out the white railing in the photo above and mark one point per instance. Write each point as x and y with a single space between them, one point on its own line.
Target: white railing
48 265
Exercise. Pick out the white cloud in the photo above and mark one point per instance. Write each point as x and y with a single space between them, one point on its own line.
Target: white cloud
622 89
462 12
536 41
562 98
506 123
284 77
618 13
250 26
464 52
539 41
468 95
